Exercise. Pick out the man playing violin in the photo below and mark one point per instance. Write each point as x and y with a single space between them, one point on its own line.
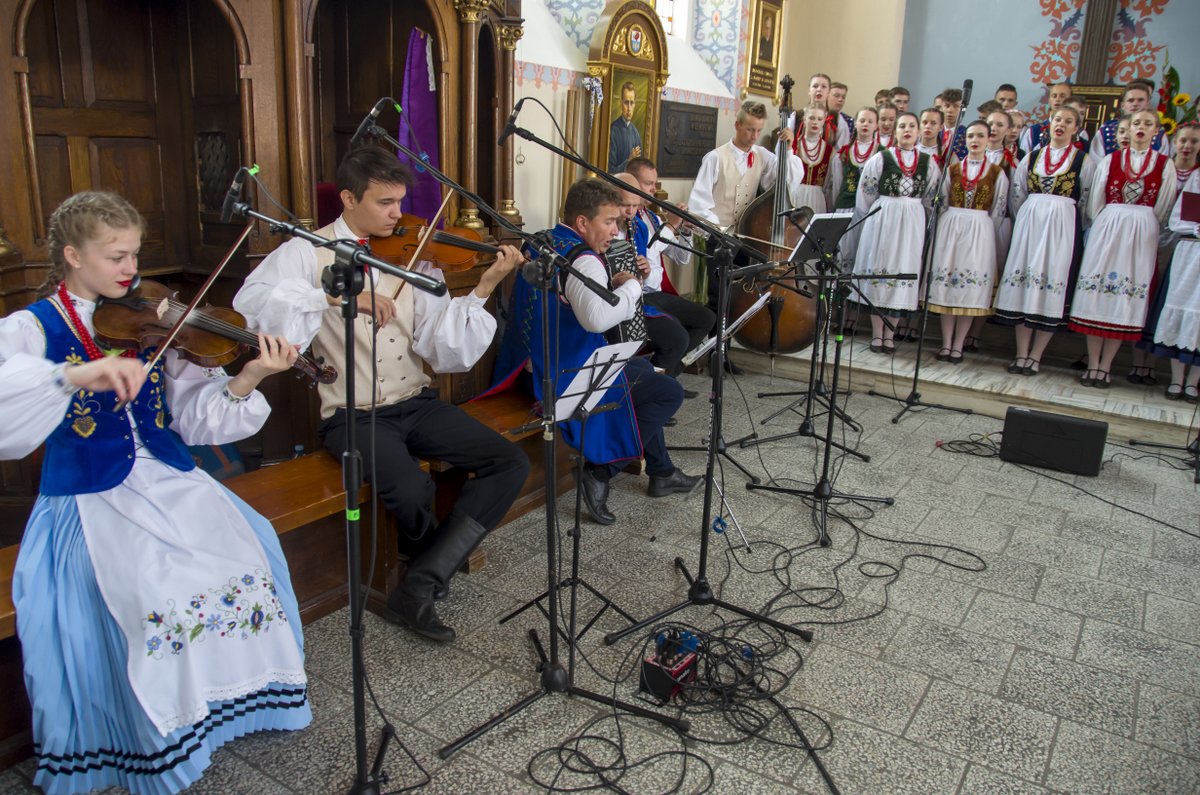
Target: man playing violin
406 328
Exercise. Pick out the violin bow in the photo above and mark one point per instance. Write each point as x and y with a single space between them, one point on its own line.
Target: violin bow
425 237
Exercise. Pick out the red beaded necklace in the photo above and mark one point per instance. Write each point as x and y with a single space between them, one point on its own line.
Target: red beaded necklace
968 185
860 159
814 155
1052 168
1182 174
1127 163
907 171
89 345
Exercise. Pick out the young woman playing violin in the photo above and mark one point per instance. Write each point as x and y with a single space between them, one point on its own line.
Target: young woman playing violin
154 608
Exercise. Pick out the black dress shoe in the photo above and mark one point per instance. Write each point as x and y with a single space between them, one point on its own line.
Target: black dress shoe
595 497
674 483
688 394
671 423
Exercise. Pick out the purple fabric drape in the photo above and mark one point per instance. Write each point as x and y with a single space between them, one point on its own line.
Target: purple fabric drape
420 103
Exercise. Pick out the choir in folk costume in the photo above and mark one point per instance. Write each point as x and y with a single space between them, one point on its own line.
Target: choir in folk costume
1173 327
1134 98
1049 189
155 612
1131 197
963 271
902 182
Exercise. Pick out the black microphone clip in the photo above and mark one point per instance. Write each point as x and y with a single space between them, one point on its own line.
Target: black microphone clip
510 126
369 120
235 191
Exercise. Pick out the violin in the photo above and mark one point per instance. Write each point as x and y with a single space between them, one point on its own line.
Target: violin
455 248
210 337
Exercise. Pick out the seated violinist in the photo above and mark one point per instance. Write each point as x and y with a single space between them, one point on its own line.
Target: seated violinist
634 429
152 604
409 328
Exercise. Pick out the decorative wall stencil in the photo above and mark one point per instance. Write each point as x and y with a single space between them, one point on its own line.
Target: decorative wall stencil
1132 55
539 75
1056 56
716 29
577 18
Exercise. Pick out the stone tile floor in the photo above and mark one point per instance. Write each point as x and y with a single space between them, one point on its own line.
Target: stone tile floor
1071 663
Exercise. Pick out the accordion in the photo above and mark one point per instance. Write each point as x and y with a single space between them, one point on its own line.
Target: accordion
622 256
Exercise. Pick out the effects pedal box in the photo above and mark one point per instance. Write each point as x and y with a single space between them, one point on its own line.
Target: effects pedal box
671 665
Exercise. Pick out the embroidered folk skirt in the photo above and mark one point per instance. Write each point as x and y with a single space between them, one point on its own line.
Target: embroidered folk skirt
1113 288
891 244
964 264
1173 326
1043 260
91 728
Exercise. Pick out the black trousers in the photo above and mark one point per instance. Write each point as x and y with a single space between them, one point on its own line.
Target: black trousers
674 336
656 398
421 427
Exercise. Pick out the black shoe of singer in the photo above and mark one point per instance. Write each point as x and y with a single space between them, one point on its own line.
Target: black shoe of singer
595 497
674 483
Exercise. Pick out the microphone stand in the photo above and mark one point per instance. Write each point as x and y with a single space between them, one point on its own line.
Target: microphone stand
914 397
345 280
700 591
553 677
816 389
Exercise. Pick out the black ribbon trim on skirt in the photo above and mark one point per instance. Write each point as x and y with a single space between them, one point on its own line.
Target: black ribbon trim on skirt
189 743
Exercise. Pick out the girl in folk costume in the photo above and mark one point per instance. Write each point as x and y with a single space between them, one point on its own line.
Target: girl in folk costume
156 617
902 181
846 168
1131 196
887 124
1048 189
931 122
1186 143
1173 327
964 265
1012 140
811 146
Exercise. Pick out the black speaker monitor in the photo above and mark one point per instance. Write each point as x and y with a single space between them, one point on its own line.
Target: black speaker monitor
1053 441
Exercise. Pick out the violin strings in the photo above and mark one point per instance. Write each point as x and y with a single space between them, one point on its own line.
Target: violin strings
216 325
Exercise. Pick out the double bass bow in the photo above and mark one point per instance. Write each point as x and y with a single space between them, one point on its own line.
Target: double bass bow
789 324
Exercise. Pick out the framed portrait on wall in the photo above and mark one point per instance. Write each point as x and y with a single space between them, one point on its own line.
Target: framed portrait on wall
762 65
627 123
628 63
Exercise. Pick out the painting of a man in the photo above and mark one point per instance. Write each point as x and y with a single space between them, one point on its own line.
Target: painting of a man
624 139
766 38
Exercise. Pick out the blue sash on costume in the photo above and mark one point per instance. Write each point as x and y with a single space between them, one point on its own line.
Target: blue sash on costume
92 450
612 435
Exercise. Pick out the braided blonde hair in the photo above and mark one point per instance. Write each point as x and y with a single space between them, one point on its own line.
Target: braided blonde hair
77 221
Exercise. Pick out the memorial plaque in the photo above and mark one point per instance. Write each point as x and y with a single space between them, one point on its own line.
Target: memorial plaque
689 132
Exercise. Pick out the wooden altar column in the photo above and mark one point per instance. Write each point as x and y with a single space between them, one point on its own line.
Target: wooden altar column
470 14
298 57
510 32
1097 34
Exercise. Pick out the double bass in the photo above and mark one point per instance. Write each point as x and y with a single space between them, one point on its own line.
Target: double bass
789 322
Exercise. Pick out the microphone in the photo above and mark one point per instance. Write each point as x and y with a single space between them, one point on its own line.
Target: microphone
235 193
369 120
510 126
748 271
800 215
968 84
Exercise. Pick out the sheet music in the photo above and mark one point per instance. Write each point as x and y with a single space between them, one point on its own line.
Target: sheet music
711 342
611 356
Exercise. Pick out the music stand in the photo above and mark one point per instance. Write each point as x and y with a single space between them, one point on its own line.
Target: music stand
812 247
579 402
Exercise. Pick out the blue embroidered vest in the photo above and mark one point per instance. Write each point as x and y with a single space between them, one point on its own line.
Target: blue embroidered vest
92 450
611 435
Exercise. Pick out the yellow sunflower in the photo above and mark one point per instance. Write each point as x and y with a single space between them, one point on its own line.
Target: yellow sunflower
1169 126
1181 99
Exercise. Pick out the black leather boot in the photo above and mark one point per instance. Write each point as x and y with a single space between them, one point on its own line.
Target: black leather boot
411 604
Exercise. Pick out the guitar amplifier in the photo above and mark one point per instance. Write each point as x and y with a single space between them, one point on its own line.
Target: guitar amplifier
1053 441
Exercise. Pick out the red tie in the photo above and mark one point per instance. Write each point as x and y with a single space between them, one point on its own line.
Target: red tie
750 160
